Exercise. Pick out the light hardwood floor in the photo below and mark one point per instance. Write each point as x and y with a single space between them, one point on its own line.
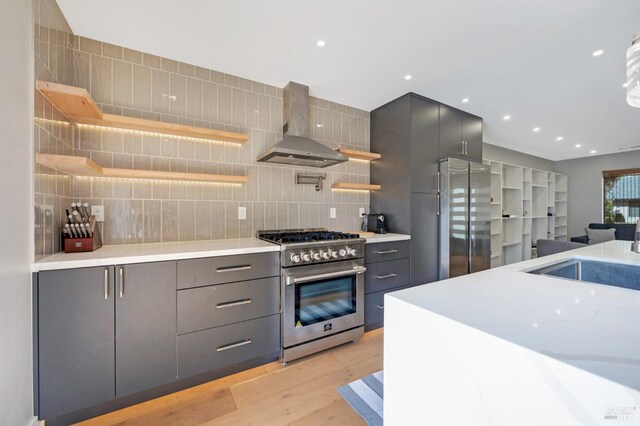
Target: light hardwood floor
302 393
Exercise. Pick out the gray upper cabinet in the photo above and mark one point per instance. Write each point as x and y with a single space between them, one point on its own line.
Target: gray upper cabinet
460 134
145 326
75 339
424 145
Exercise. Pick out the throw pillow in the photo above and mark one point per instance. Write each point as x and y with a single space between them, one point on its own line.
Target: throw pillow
597 236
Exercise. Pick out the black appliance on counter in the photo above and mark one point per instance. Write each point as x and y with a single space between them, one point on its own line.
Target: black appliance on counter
377 223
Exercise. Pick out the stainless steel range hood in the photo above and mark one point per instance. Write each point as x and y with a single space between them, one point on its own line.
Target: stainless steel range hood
296 147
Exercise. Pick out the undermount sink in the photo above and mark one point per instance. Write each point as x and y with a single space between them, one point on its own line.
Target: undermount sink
593 271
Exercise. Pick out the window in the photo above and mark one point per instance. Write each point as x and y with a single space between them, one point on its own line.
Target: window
621 189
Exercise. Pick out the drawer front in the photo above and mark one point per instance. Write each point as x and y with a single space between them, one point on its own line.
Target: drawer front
374 309
379 252
386 275
226 269
213 306
221 347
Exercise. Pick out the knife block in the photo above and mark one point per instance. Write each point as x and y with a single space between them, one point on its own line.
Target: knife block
78 245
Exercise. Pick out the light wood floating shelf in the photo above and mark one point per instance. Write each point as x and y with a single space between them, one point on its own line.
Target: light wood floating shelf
356 186
359 155
78 106
82 166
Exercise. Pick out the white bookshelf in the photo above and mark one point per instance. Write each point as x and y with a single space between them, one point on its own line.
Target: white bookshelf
536 204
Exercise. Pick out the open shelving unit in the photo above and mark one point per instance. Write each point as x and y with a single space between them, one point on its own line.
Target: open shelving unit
356 186
359 155
84 167
536 201
76 104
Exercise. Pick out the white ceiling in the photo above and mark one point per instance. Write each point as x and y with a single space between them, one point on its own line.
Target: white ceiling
529 59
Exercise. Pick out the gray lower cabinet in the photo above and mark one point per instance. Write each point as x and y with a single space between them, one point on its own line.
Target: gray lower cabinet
75 339
388 269
221 347
226 269
145 326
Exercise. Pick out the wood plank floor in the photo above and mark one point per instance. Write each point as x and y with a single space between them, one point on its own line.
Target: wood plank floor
302 393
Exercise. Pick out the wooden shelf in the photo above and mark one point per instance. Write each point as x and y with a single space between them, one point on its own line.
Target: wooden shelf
77 105
359 155
82 166
356 186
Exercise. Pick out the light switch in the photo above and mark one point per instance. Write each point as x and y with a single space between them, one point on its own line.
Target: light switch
361 211
242 213
332 213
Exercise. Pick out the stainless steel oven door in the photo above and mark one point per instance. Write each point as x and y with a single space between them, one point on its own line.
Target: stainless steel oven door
320 300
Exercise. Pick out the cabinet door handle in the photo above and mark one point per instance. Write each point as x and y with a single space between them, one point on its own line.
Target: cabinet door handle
382 277
438 204
234 268
106 283
121 282
233 345
386 251
381 307
234 303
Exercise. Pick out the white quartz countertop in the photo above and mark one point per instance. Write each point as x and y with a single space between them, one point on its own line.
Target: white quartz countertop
155 252
384 238
593 327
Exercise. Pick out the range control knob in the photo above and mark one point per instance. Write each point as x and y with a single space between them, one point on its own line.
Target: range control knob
325 255
334 254
352 251
306 257
295 258
342 252
315 255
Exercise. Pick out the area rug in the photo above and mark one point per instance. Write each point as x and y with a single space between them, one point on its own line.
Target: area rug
365 397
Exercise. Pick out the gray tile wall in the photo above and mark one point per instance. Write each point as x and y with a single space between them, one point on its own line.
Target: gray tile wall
124 81
52 132
137 84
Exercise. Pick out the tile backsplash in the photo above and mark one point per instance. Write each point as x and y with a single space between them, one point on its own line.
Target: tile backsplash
127 82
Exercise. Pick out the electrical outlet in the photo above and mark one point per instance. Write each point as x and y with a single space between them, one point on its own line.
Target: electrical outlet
98 212
242 213
332 213
361 211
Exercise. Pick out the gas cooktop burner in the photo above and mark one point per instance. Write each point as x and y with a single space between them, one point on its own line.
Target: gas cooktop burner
304 236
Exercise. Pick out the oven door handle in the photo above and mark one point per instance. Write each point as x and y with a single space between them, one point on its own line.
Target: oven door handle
356 271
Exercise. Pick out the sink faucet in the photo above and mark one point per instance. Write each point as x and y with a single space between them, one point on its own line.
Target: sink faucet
635 246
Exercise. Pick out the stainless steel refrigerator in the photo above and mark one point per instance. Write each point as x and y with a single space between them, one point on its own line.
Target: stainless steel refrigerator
465 217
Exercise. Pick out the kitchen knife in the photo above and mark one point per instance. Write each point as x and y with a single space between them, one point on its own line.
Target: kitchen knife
77 226
76 216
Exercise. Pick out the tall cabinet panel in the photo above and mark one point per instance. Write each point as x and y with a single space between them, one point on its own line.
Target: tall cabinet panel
424 145
75 339
145 326
451 137
472 136
424 238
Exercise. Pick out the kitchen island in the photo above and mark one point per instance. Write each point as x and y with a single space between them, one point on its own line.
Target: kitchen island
507 347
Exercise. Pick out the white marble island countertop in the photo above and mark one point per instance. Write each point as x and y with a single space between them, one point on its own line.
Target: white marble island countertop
154 252
508 347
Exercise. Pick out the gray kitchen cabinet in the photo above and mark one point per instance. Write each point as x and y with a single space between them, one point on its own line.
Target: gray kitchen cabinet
145 355
424 238
392 250
374 309
460 134
226 269
386 275
425 129
75 339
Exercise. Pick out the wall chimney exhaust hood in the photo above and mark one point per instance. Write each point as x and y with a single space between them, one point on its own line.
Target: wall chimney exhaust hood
296 148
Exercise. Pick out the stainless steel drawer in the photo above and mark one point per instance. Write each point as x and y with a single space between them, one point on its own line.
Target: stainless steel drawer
379 252
386 275
374 309
226 269
221 347
213 306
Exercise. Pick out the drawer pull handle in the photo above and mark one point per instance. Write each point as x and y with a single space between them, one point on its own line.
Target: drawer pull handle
382 277
381 307
234 303
234 268
106 284
233 345
386 251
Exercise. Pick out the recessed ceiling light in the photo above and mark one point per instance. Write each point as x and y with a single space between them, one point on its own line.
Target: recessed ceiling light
593 151
625 85
578 145
408 77
598 52
559 138
465 100
320 43
536 129
506 117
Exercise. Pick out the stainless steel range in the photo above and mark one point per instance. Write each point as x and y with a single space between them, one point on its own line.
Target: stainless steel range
322 289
